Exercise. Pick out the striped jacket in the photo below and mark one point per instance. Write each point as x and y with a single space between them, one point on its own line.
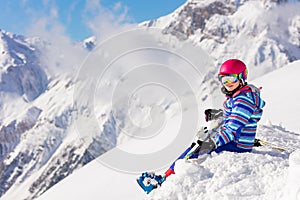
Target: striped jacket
241 113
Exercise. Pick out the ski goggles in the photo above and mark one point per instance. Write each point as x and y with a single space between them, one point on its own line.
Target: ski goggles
230 78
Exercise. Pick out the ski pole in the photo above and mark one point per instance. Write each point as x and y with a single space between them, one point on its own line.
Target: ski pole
259 142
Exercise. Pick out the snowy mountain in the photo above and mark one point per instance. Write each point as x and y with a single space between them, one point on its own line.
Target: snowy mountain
37 145
261 174
264 34
20 64
40 144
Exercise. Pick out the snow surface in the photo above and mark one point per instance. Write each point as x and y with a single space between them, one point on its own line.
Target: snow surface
261 174
281 88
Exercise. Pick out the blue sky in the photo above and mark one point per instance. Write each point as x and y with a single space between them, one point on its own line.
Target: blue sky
73 16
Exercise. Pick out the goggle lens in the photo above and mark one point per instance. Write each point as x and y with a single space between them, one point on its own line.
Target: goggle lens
228 78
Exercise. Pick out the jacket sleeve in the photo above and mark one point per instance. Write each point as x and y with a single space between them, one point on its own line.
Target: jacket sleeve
241 112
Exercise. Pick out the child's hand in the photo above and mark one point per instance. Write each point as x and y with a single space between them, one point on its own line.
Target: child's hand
212 114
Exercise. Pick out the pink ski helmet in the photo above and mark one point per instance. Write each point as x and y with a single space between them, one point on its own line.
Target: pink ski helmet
234 66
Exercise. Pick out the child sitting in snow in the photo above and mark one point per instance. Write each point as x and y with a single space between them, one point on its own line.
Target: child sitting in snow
242 110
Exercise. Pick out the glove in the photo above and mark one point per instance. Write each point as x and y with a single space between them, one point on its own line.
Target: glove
206 146
212 114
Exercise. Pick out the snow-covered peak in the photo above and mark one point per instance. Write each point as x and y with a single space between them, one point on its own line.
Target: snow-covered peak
190 17
258 32
13 47
20 68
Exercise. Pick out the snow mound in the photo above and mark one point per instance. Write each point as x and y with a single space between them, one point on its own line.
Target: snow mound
292 188
260 174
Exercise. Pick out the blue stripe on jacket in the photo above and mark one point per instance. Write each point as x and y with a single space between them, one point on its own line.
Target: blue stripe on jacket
242 111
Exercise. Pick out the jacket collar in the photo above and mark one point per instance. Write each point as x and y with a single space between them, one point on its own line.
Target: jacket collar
243 89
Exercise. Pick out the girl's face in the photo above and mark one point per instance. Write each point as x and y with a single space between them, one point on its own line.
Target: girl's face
231 86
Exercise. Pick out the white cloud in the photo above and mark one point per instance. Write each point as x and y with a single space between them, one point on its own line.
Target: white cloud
104 22
62 55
